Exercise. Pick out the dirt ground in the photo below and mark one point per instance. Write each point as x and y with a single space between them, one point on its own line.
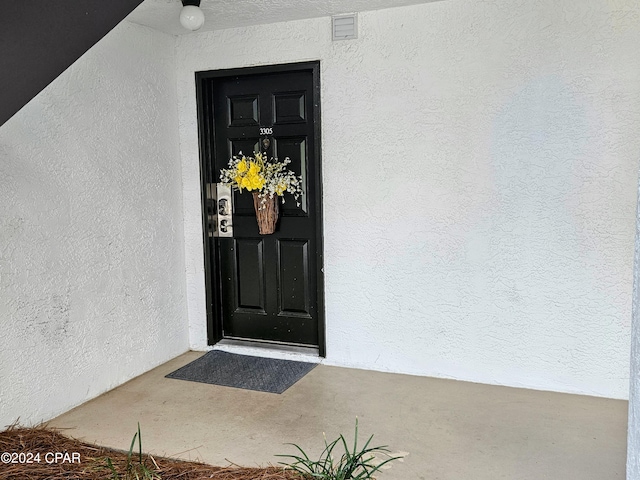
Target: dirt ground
43 453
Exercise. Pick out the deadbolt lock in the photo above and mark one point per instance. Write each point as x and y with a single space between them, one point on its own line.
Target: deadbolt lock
224 207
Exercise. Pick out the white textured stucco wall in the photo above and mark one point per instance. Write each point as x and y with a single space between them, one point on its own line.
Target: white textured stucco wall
480 164
633 432
92 286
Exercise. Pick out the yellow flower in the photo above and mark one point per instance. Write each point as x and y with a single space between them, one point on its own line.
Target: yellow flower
280 189
242 166
254 168
257 182
246 183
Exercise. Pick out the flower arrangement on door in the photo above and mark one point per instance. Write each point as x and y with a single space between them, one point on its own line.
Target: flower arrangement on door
266 180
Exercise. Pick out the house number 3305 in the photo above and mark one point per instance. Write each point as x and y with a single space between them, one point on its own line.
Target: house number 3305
266 131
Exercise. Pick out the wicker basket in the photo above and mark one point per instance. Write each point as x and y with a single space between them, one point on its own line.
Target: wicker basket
266 213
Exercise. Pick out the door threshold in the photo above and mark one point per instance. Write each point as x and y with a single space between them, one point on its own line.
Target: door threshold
269 350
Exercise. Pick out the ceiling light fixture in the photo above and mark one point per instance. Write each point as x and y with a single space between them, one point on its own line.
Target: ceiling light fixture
191 16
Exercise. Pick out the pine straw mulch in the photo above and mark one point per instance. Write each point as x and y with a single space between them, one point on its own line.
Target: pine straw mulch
93 461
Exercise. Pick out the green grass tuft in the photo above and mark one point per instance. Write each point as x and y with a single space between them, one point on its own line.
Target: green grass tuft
356 464
134 470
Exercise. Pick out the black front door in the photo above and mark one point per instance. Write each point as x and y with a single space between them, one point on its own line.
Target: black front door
265 287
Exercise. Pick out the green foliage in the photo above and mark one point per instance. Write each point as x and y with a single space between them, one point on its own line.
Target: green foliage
134 470
357 464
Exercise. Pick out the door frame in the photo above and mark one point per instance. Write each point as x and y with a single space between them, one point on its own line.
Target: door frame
205 83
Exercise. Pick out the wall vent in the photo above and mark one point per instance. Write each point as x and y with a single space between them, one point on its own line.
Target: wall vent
344 27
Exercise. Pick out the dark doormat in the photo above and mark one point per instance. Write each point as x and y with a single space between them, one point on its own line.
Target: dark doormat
242 371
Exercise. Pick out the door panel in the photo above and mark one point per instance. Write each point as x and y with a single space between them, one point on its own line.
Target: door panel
243 110
237 145
294 147
250 276
293 278
266 287
289 108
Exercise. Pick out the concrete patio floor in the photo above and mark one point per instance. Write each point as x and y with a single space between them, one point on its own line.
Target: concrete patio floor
447 429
